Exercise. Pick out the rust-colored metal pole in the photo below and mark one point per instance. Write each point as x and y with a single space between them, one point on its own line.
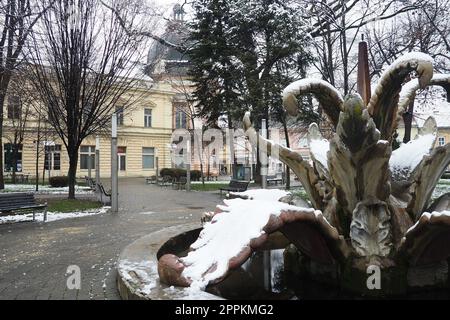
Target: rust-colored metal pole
363 81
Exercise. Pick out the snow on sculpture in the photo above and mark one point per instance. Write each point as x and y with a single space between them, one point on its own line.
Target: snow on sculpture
371 204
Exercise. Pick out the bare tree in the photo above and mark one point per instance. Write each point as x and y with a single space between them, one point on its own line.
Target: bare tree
19 112
17 19
82 66
425 29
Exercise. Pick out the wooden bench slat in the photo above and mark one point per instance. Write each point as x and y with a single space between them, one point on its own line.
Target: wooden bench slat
17 202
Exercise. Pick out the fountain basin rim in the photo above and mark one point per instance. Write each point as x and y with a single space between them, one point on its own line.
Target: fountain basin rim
145 251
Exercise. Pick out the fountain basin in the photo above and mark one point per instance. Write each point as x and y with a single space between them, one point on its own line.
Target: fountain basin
137 266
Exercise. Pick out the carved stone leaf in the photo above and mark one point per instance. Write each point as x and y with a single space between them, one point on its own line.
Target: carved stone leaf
304 171
383 105
426 177
328 97
427 241
358 160
370 230
409 90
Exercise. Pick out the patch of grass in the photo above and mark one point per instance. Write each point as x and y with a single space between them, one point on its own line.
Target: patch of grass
208 186
71 205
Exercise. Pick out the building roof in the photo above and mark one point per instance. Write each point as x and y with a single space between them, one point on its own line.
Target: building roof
162 59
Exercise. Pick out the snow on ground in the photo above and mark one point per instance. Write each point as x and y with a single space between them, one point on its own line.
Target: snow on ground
406 158
210 182
230 231
52 216
45 189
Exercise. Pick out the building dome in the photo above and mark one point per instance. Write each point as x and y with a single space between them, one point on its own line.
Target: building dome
162 59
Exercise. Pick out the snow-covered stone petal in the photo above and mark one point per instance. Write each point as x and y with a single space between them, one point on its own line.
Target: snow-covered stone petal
230 232
406 158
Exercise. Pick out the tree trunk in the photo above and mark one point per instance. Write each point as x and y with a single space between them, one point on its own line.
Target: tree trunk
231 139
73 162
288 171
2 101
14 150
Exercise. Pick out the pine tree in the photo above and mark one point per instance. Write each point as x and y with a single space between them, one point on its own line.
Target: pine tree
242 48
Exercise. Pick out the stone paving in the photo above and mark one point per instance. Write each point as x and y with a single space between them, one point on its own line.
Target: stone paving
34 257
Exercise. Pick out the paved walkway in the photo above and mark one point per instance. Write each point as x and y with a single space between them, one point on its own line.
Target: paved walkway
34 256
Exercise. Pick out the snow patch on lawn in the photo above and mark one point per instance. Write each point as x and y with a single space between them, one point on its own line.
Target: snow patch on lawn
45 189
52 216
230 231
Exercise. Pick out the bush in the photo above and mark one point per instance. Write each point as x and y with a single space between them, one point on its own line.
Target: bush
196 175
58 182
177 173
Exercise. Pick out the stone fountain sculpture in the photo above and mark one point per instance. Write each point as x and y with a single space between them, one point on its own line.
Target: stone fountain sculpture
372 205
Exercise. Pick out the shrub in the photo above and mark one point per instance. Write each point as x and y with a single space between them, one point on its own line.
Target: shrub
177 173
196 175
60 181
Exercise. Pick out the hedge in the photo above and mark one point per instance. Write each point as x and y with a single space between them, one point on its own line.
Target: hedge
59 181
177 173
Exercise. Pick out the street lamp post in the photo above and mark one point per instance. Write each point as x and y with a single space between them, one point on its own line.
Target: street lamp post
114 167
97 163
188 165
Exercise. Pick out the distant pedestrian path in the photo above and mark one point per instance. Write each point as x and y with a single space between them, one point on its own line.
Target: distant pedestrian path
34 257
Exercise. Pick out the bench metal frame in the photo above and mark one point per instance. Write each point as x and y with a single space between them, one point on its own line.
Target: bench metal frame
236 186
19 203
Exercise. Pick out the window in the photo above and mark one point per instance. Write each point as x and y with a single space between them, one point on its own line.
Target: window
87 156
441 141
147 118
119 112
180 119
122 158
14 107
52 157
9 161
148 158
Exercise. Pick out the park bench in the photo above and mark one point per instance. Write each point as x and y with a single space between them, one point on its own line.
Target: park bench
105 197
236 186
151 180
180 183
274 180
90 182
21 203
166 181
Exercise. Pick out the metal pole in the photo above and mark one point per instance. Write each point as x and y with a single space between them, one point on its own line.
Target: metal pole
188 165
114 167
263 156
89 165
97 163
157 162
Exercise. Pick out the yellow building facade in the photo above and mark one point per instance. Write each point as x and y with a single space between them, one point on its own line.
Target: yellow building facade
144 135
